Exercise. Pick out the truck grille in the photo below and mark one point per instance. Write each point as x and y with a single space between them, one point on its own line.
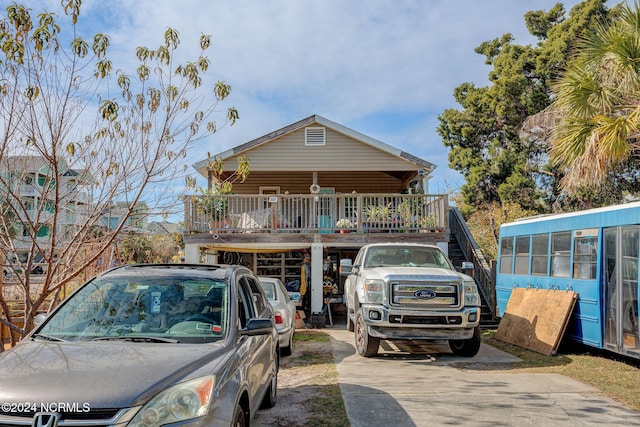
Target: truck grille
425 295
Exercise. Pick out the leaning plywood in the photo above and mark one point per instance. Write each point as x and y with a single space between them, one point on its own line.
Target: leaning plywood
536 318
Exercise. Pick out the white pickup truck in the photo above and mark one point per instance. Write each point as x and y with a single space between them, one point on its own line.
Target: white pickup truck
401 291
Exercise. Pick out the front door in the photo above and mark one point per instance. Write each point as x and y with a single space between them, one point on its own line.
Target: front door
326 212
621 254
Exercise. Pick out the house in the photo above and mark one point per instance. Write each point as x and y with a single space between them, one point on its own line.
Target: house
136 222
28 186
315 187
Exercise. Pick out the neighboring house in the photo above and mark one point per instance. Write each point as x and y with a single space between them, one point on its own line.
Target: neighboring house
137 222
314 187
27 183
163 227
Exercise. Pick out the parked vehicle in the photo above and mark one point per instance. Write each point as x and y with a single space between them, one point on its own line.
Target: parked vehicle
402 291
284 311
147 345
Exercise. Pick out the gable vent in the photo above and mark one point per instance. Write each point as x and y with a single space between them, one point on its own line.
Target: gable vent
314 136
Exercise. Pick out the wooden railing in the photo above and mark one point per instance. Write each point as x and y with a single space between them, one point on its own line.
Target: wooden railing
317 213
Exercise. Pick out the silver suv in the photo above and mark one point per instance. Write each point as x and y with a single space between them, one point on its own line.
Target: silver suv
147 345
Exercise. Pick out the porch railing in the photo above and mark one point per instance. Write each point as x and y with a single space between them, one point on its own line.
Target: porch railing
317 213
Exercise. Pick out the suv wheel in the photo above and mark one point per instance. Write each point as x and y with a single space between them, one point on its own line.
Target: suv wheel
366 345
466 348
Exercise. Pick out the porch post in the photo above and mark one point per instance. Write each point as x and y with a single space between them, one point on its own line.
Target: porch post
317 252
191 253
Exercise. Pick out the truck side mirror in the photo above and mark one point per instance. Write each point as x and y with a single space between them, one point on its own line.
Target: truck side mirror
466 265
346 267
346 270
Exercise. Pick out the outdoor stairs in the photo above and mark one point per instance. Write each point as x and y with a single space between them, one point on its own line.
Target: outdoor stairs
456 255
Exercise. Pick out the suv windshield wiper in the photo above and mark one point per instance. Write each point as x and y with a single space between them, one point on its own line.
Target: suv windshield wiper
47 337
137 338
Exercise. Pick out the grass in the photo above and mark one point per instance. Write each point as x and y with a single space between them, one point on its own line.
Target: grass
327 406
617 377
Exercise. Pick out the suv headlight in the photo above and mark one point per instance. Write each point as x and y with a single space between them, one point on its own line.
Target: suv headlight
181 402
374 291
471 295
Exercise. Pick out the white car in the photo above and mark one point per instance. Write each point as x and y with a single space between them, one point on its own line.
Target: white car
284 311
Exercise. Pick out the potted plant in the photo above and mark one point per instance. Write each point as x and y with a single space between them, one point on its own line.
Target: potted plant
214 208
427 223
344 224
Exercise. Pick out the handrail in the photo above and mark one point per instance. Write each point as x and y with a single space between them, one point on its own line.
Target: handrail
482 271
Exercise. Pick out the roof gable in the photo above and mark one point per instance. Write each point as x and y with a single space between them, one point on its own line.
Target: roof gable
341 141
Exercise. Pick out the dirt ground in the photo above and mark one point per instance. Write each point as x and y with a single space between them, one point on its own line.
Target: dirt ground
306 379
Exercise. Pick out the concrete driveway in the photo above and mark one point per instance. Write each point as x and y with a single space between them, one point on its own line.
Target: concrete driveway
435 388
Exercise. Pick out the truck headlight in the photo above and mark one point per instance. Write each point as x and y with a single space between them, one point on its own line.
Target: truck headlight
471 295
181 402
374 291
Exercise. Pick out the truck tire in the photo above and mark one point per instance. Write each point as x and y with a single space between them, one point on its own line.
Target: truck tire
366 345
349 324
466 348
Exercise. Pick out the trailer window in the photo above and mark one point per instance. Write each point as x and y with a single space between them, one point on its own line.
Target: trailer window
522 254
585 254
506 255
560 254
540 255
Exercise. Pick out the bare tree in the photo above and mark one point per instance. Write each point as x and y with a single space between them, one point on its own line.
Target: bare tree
72 143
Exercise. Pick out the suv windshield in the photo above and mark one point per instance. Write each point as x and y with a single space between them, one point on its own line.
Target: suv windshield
406 257
160 309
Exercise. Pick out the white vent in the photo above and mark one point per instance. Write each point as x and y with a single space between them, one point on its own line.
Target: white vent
314 136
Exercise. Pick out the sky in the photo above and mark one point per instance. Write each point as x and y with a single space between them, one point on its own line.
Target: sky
384 68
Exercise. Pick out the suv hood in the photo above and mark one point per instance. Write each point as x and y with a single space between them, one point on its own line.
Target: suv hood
111 374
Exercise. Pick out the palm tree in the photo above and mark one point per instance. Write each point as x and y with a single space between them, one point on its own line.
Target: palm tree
598 102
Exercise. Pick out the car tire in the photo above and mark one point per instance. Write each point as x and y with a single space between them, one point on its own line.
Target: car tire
286 351
366 345
239 419
467 348
271 396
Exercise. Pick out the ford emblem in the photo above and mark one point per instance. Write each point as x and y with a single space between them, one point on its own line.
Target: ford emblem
425 294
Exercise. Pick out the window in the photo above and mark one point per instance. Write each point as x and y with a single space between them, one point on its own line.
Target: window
585 253
522 254
506 255
540 255
314 136
560 254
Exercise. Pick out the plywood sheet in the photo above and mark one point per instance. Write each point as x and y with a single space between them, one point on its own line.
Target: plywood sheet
536 318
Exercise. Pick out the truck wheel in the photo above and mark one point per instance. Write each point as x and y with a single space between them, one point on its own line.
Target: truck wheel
349 324
366 345
466 348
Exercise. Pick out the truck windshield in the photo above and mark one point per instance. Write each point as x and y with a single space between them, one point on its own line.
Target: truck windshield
406 257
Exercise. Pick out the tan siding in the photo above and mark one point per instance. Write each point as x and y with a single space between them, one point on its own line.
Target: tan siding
340 153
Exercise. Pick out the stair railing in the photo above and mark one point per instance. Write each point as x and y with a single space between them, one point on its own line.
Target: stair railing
482 271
